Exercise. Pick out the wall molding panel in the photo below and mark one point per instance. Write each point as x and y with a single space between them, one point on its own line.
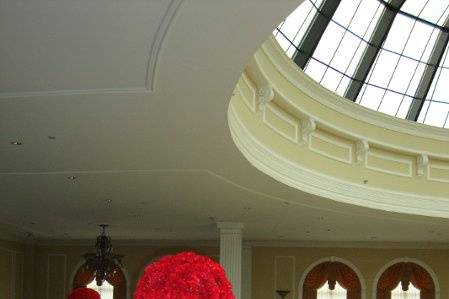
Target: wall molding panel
56 276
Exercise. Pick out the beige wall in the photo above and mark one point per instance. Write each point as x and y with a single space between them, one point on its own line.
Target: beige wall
55 265
368 261
16 270
51 267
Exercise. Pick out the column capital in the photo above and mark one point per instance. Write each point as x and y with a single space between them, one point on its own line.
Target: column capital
237 226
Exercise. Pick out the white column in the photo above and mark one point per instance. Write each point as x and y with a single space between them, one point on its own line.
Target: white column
231 253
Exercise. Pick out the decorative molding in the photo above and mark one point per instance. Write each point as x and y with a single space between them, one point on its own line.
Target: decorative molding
292 289
251 101
333 259
334 142
13 268
407 260
68 92
406 162
308 126
440 167
422 164
317 183
158 42
290 121
265 94
151 70
48 273
362 150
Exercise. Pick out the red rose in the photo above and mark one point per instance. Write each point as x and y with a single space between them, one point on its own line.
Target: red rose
184 276
84 293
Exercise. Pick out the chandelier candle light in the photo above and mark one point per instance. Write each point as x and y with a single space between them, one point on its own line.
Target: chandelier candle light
104 262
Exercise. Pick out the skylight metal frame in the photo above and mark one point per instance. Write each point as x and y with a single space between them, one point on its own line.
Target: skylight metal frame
314 32
304 53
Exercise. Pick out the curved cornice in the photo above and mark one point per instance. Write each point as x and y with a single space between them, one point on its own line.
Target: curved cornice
310 181
307 137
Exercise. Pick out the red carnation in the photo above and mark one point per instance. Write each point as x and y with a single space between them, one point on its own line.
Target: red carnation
84 293
184 276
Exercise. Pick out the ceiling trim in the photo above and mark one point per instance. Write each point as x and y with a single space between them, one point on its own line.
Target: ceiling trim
254 243
151 69
158 42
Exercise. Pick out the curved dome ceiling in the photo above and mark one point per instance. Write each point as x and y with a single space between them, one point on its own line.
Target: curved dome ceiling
390 56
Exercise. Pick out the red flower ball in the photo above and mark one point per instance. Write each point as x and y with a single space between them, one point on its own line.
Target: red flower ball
184 276
84 293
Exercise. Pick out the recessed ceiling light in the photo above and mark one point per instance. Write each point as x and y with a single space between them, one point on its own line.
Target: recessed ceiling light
72 177
17 142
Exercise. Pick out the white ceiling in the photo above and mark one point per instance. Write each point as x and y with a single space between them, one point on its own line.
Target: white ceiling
85 88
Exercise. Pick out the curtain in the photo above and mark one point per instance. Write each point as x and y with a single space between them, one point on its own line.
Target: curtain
118 281
332 272
405 273
83 277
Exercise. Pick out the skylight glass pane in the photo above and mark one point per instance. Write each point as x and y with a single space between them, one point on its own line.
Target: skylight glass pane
404 107
413 7
366 17
356 58
343 85
383 68
435 11
295 26
419 40
315 70
331 79
345 52
328 43
394 78
403 75
428 49
436 114
398 34
390 103
371 97
441 90
345 12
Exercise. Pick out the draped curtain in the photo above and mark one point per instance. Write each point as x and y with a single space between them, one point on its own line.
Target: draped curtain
86 275
405 273
332 272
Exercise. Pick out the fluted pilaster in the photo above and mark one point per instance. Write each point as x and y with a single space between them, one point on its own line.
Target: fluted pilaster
231 253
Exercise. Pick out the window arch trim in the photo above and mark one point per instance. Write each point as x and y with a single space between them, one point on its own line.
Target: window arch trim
82 262
333 259
407 260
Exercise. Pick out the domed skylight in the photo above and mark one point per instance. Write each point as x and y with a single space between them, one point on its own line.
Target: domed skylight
390 56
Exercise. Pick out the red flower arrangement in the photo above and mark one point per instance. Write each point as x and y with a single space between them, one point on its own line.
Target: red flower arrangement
184 276
84 293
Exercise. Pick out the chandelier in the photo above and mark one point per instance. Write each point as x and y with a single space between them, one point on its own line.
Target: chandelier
103 262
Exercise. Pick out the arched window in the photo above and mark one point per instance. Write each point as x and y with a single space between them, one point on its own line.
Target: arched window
115 283
405 280
331 280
